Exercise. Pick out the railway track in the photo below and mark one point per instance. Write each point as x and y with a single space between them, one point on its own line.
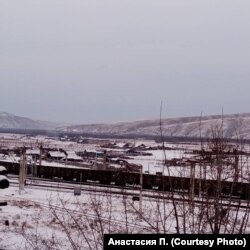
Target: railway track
68 186
61 183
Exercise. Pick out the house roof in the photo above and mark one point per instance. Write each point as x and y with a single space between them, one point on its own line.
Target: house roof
56 154
72 155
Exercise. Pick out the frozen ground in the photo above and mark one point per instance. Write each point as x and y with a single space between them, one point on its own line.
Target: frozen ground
57 219
39 219
45 219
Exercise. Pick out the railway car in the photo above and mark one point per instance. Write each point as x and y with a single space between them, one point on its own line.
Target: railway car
123 178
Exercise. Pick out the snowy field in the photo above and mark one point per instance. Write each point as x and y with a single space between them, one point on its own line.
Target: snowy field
58 219
39 219
47 218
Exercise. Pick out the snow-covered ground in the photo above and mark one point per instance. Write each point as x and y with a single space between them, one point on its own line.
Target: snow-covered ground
46 218
37 218
154 162
57 219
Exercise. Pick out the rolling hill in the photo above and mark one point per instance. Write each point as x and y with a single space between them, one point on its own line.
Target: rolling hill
234 126
10 121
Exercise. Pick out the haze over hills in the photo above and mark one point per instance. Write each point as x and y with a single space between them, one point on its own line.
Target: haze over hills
234 126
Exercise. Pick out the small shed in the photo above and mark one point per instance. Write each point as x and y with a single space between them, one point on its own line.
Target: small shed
131 151
72 156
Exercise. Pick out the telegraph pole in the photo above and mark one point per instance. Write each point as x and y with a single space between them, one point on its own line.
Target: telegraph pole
40 156
104 160
140 199
22 170
192 182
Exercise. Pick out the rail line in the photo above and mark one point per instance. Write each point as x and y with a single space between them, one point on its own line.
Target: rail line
170 196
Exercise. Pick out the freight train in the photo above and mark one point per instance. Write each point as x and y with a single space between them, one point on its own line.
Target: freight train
122 178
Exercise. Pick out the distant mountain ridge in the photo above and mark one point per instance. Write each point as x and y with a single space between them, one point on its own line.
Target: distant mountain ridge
234 126
10 121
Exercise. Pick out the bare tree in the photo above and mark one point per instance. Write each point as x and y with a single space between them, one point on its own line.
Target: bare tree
203 208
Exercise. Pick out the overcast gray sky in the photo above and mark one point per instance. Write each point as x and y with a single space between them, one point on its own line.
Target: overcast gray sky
84 61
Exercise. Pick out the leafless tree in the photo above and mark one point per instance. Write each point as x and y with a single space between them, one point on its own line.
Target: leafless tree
203 209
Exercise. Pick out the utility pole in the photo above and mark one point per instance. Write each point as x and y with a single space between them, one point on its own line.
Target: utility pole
40 156
140 199
236 174
192 182
22 170
104 160
192 193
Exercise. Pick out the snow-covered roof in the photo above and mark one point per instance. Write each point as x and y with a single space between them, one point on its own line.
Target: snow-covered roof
91 151
70 152
64 165
9 158
73 155
33 152
56 154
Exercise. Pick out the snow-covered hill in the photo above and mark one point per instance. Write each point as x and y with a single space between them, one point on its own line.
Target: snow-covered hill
10 121
234 126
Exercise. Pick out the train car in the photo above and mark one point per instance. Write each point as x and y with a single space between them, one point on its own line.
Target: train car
122 178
